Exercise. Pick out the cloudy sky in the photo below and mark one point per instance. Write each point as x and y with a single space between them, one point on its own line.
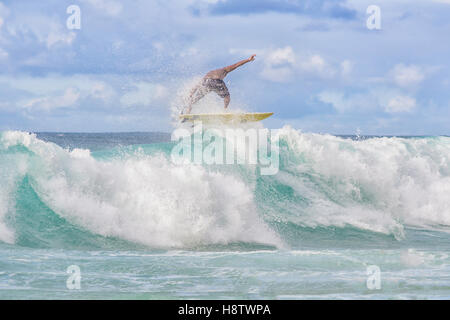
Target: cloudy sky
318 66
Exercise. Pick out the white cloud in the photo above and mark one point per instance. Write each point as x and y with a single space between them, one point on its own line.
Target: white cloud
313 63
52 83
400 104
192 51
247 52
55 91
407 76
144 95
343 103
3 54
56 36
380 99
158 45
316 65
282 64
109 7
282 74
100 90
336 99
278 64
280 56
67 99
346 67
4 11
47 30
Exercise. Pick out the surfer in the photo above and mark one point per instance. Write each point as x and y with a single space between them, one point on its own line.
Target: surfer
213 81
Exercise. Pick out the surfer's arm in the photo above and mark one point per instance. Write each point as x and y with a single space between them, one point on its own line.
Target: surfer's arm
238 64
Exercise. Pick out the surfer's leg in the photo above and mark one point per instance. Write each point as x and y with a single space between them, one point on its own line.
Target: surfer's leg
194 100
226 101
199 93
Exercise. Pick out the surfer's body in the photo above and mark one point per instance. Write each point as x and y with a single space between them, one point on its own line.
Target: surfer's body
213 81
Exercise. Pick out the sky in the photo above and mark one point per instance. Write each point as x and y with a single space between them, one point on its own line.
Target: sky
318 66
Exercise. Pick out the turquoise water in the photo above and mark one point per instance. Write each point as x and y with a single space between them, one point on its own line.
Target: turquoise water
139 226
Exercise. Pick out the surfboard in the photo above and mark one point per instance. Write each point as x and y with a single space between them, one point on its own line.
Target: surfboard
226 117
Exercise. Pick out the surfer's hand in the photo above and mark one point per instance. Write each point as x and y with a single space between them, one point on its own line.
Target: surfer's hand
252 57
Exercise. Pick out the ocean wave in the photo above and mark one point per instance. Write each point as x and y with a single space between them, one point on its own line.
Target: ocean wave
376 185
142 198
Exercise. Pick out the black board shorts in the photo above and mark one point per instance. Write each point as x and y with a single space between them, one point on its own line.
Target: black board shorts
216 85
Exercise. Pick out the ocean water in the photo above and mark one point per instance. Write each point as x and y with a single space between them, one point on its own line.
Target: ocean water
344 218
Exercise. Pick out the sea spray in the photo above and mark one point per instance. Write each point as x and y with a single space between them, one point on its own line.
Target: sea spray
228 146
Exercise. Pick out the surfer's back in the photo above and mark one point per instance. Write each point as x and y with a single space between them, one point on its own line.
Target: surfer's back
216 74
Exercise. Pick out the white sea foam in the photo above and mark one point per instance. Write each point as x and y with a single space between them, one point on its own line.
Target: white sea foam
145 199
6 233
379 184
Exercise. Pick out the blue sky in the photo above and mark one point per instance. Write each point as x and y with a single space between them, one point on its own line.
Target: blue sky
318 66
